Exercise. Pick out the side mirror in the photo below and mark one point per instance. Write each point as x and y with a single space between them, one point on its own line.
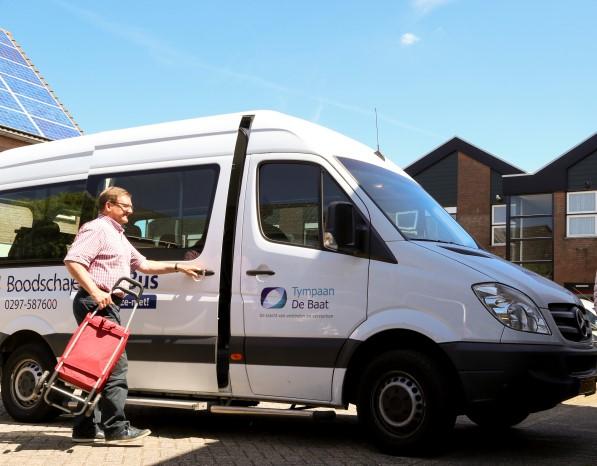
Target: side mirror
341 228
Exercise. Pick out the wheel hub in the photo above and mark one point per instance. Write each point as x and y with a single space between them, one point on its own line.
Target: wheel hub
401 401
25 378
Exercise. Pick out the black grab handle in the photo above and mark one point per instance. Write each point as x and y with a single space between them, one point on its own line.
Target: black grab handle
135 285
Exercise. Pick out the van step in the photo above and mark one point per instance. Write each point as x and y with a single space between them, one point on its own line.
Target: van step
227 409
167 403
319 415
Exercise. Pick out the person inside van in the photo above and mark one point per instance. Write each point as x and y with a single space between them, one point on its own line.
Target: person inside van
98 257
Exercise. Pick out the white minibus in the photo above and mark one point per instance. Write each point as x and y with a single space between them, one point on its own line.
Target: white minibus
331 278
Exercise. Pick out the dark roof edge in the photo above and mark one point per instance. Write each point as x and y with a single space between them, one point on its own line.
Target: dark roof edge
553 176
459 145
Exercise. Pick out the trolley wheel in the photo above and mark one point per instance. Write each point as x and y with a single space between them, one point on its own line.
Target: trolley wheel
39 386
91 407
20 376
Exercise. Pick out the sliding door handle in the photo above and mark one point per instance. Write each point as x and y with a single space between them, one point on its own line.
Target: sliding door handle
254 273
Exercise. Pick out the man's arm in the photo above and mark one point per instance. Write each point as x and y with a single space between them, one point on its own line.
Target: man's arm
80 273
159 267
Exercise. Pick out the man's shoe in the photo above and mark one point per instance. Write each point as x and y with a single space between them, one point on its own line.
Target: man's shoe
99 437
129 434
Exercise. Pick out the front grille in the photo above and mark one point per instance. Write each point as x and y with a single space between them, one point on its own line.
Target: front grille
572 320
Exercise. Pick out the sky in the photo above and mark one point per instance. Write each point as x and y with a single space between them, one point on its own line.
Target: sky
516 78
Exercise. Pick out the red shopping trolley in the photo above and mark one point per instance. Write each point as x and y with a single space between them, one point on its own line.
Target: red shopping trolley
89 358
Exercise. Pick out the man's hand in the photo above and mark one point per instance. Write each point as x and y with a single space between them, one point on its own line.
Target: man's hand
102 298
191 270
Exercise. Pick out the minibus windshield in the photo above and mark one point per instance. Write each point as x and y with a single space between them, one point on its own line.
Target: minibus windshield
408 206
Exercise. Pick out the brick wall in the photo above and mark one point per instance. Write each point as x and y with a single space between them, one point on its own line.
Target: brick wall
474 191
10 143
575 259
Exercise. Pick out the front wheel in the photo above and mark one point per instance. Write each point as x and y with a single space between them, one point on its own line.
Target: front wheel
21 376
404 403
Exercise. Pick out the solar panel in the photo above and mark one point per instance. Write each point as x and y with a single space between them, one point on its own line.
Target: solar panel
26 102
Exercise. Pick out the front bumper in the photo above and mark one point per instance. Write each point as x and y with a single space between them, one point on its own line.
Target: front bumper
534 376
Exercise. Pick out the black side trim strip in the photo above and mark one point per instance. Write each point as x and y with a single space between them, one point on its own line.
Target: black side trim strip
3 337
156 348
236 175
262 351
298 352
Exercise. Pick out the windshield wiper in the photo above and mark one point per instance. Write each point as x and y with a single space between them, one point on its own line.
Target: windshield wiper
436 241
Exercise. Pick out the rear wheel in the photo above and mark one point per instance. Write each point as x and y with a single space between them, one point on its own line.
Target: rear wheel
21 376
404 403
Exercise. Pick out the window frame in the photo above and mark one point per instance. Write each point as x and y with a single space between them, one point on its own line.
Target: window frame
495 225
85 204
510 218
160 254
580 214
453 211
581 235
321 247
258 197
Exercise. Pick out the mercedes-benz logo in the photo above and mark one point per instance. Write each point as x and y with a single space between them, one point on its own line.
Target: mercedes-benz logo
584 326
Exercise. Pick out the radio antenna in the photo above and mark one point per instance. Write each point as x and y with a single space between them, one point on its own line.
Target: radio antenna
377 152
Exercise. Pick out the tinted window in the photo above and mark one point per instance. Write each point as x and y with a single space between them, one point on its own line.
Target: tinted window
38 224
289 203
293 202
171 209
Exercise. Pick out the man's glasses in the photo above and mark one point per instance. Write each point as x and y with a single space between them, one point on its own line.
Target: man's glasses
123 206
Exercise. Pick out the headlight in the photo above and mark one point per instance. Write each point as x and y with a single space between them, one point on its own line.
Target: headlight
511 307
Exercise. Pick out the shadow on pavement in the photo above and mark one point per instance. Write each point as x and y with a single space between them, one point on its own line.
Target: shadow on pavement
562 435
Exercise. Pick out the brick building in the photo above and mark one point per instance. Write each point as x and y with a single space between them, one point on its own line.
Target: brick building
545 221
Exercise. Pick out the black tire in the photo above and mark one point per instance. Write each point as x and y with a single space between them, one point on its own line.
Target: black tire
405 404
20 374
497 417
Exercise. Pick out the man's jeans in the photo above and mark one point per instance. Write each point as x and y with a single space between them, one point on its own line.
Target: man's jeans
110 412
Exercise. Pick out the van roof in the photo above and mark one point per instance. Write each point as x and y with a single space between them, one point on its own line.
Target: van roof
270 132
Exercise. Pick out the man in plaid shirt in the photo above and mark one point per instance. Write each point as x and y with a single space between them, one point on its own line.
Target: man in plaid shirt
98 257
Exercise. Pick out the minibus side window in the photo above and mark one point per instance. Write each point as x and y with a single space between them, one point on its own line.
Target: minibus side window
294 200
172 209
289 203
38 224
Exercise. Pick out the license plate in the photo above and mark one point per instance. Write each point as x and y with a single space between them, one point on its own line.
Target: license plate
587 386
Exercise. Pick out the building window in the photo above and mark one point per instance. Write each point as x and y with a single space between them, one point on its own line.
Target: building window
581 220
531 233
452 211
498 225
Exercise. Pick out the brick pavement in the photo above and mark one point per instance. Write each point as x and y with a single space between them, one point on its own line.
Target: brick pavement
564 434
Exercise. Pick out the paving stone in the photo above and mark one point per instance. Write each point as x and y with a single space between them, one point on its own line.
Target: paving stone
563 435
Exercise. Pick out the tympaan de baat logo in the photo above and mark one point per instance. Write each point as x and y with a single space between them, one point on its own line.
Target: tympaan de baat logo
273 298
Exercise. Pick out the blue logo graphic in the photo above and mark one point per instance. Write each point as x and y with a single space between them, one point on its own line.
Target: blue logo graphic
273 298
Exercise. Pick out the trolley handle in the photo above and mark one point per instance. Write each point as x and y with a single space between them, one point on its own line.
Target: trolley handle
135 286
